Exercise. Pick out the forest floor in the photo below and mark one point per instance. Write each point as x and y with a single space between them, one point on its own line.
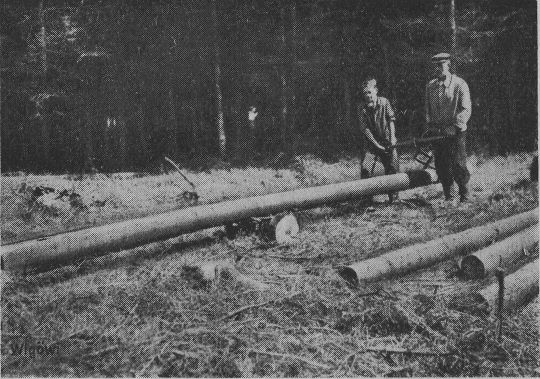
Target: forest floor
150 312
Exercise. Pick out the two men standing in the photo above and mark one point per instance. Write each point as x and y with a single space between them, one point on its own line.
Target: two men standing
447 111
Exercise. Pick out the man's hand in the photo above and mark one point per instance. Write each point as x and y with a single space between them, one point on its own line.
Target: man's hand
380 147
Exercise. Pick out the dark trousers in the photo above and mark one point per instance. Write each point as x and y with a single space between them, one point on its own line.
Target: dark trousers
390 162
451 163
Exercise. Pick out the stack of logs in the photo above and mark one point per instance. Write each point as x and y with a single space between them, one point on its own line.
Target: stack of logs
494 247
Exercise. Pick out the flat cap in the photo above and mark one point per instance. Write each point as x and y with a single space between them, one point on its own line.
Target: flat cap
441 57
369 83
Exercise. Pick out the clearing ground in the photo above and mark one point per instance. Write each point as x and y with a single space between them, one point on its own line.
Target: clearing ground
148 312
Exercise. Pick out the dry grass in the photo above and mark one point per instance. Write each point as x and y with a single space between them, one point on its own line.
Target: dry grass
145 312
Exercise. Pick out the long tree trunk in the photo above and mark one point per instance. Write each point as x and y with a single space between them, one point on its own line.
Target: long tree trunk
512 93
453 30
409 258
243 134
88 136
293 110
220 123
283 81
345 47
45 159
42 40
141 129
122 141
172 126
348 107
61 248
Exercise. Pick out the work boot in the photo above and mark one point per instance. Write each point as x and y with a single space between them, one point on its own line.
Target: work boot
447 190
463 194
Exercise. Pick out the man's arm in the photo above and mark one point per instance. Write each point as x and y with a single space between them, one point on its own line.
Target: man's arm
364 129
393 139
391 117
372 139
463 107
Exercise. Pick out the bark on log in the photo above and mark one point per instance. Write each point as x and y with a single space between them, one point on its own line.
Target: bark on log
519 288
40 254
484 262
417 256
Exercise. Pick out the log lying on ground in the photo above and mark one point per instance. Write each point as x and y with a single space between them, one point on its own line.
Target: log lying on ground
485 262
414 257
43 253
519 288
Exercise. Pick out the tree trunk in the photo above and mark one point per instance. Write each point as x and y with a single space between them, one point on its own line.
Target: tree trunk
512 95
122 141
42 40
486 261
346 47
141 131
401 261
293 87
283 80
220 123
45 159
519 288
348 108
453 31
42 253
88 136
172 127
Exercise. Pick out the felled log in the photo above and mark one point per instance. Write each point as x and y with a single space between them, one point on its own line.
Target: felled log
42 253
519 288
484 262
413 257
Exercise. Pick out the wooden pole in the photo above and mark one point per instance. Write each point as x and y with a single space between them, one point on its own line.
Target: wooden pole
414 257
486 261
500 301
519 288
40 254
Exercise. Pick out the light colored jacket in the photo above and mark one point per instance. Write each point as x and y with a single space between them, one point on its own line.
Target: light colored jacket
448 104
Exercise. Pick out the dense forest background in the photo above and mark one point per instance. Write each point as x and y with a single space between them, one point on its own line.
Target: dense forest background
118 84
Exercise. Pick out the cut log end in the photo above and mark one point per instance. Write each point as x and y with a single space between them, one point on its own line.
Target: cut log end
286 229
349 275
422 177
472 267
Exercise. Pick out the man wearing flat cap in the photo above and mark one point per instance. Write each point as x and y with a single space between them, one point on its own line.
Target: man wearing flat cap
448 109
